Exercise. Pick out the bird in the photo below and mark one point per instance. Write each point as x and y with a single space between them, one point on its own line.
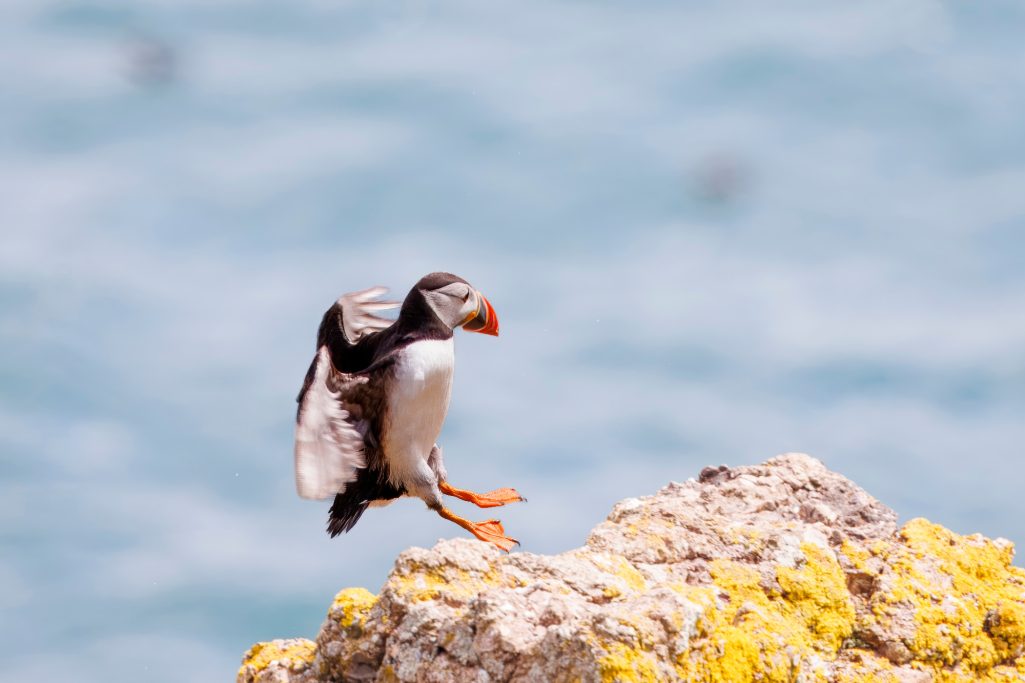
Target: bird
375 397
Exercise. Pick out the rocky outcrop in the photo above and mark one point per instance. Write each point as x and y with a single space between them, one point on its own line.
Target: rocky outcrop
781 572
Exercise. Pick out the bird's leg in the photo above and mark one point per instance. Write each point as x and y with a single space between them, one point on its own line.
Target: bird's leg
489 531
427 487
491 499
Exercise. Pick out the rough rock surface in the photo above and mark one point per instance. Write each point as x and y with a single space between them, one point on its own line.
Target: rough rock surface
781 572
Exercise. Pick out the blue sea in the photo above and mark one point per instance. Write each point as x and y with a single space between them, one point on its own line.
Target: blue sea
712 233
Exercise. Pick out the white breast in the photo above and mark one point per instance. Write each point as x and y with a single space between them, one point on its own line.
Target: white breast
417 405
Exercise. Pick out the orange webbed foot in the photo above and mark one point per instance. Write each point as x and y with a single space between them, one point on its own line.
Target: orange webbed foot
491 531
499 497
491 499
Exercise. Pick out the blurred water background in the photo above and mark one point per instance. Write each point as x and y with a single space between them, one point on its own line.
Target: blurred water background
712 234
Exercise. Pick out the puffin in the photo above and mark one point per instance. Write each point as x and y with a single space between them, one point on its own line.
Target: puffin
374 400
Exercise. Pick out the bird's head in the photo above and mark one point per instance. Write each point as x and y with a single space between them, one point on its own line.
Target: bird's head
457 303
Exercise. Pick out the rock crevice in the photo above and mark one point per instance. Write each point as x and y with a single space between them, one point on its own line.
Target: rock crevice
784 571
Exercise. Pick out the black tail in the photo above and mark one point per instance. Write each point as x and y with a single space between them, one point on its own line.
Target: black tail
345 512
350 505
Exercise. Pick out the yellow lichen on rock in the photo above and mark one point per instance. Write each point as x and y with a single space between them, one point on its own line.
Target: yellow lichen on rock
968 601
422 582
857 555
352 605
294 654
780 573
817 591
619 567
741 634
625 664
756 631
1006 625
427 583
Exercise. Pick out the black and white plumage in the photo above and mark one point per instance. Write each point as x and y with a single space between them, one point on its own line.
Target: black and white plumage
375 398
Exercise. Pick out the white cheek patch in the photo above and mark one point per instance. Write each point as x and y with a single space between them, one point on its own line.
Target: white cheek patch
447 308
456 290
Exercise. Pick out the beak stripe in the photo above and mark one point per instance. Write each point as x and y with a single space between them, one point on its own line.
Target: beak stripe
473 315
484 319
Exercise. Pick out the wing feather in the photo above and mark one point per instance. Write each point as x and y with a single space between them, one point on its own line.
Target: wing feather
329 437
358 310
328 441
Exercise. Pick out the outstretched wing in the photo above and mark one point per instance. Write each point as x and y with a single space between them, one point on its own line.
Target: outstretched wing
328 443
329 447
358 309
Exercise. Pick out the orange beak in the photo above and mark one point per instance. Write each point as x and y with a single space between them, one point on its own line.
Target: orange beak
484 320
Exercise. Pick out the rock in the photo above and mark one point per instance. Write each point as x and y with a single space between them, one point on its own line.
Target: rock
279 661
781 572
